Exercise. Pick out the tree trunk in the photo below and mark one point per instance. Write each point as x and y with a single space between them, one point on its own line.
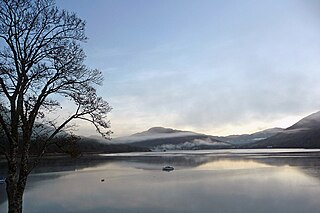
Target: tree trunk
15 187
15 195
15 206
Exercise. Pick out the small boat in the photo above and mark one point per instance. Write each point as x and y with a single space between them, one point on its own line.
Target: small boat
2 180
168 168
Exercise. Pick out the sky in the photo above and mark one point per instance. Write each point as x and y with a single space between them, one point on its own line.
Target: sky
214 67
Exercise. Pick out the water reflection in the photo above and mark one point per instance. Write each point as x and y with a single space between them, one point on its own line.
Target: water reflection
232 164
200 183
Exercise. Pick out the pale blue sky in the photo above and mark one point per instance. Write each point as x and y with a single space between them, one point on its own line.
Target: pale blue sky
217 67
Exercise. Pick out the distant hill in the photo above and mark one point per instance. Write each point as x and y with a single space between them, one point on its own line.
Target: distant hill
250 138
87 145
303 134
159 138
84 145
94 145
154 133
90 145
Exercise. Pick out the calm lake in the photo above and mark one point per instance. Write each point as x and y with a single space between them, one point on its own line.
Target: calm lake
271 180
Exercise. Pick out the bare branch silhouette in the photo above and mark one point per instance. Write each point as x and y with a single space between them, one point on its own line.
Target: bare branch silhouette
41 63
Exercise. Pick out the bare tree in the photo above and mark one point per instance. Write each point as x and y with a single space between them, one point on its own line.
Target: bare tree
41 62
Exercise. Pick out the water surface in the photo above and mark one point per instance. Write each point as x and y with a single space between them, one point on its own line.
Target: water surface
203 181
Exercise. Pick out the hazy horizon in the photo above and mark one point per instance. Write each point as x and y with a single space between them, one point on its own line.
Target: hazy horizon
213 67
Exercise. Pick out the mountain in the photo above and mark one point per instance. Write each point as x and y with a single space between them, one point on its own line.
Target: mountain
87 145
154 133
304 134
250 138
84 145
159 138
